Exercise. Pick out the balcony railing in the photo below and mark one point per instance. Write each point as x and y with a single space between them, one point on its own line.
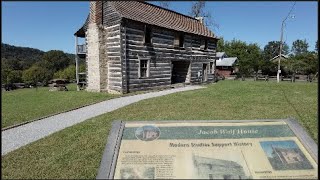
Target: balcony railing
81 49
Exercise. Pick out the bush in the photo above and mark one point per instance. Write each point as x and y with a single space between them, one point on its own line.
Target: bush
36 74
68 73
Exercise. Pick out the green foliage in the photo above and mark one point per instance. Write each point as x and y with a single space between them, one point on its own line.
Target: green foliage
15 60
316 47
69 73
249 55
299 47
11 76
56 60
36 74
9 72
306 63
272 49
220 45
23 56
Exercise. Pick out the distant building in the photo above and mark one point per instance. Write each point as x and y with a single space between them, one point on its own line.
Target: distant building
225 65
276 58
287 156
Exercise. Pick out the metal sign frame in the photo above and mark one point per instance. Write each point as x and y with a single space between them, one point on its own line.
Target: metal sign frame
110 154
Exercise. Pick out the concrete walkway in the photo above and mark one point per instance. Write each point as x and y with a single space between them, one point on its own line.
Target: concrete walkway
17 137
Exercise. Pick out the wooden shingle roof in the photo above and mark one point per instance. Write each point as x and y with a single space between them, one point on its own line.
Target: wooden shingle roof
158 16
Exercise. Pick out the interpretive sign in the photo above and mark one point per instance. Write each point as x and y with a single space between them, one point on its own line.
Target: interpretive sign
225 149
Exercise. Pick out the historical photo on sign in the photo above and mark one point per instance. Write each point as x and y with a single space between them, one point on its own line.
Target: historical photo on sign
220 166
285 155
137 173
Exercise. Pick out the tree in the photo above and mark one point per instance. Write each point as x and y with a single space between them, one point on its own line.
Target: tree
36 74
249 56
306 63
9 72
299 47
164 4
198 10
11 76
220 45
254 56
316 46
272 49
69 73
56 60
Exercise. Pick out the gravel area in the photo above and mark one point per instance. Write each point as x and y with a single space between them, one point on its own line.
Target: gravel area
17 137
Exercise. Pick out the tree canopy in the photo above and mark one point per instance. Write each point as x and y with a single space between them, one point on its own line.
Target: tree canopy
299 47
272 49
22 64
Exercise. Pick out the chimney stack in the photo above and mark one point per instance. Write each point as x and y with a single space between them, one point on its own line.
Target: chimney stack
96 12
201 19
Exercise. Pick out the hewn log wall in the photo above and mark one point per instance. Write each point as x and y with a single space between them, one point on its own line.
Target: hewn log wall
160 54
121 47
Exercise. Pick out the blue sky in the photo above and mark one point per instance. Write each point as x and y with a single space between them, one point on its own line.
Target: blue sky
51 25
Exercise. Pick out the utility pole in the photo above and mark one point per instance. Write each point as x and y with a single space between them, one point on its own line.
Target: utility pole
281 39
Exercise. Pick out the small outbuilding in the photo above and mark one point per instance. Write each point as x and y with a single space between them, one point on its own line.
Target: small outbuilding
226 66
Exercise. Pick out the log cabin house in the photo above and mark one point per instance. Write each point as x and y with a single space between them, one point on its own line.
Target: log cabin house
133 45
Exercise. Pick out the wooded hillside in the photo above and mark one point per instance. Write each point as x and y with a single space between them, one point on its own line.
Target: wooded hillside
24 64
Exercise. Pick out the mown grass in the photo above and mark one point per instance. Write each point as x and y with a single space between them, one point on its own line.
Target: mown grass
76 152
28 104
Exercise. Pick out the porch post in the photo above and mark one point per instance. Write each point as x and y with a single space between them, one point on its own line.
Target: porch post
76 55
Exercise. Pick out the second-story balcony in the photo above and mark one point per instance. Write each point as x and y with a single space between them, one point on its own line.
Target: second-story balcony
81 49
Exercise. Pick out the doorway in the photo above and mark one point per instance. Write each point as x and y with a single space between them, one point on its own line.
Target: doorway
205 73
179 71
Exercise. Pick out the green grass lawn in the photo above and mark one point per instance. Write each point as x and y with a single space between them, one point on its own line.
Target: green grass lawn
27 104
75 152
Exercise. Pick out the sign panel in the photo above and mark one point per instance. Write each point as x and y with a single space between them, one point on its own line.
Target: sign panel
210 150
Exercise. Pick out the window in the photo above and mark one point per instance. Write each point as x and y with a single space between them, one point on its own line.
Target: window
178 40
181 40
144 68
147 34
211 68
204 44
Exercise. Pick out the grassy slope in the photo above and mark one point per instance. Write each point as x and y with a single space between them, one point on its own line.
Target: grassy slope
76 151
27 104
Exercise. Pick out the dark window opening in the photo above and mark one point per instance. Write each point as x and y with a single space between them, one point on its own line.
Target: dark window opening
206 44
211 68
178 40
181 40
143 68
147 36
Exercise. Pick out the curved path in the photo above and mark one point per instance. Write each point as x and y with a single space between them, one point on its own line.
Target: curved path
17 137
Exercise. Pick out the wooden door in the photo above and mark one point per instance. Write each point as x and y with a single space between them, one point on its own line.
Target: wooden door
204 72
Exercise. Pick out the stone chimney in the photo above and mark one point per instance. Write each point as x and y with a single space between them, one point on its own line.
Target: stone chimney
201 19
96 12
